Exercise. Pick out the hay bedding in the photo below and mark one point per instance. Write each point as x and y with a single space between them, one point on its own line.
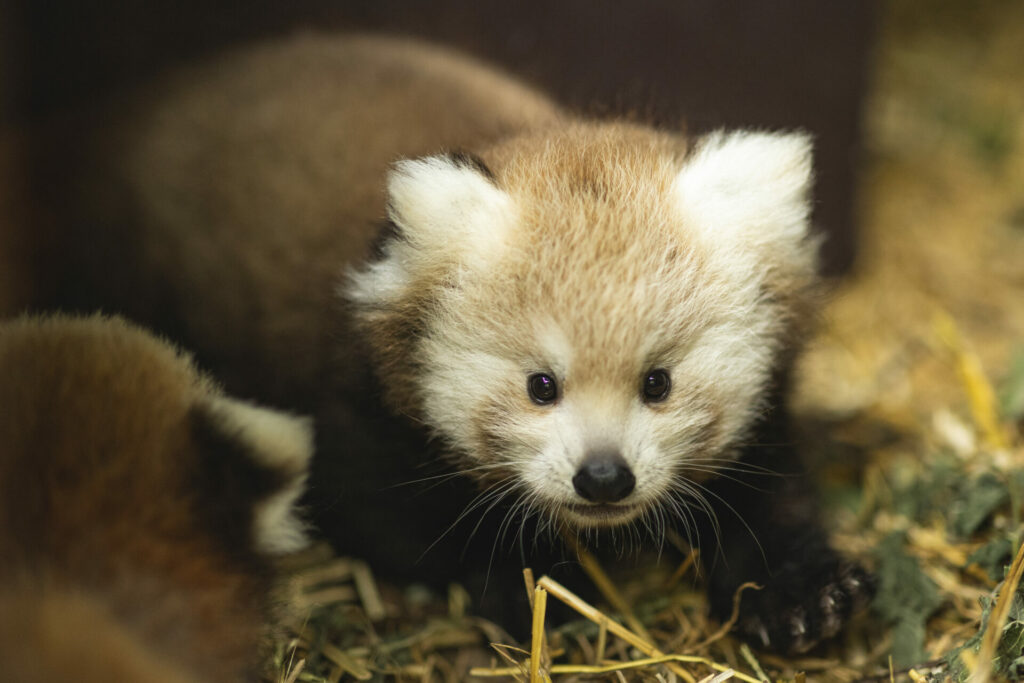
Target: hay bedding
913 392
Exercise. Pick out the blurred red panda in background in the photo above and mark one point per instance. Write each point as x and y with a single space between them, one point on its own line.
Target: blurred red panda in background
139 506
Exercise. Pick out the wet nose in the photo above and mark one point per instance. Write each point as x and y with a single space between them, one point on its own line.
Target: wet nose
604 477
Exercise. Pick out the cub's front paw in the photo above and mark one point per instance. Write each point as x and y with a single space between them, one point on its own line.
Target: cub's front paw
800 606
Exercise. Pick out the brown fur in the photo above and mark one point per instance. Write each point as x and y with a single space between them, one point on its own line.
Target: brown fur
68 636
115 565
243 183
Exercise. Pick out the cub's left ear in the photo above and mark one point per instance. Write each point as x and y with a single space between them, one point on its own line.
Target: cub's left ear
263 456
445 210
438 198
749 191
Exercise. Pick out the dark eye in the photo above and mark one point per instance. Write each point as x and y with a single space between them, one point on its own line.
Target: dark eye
656 386
542 388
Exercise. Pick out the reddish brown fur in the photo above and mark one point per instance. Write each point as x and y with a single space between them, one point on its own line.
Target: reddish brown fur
110 567
234 194
69 636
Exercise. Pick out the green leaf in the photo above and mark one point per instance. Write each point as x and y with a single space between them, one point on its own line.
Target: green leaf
978 498
1011 641
906 598
908 642
1009 658
993 557
1010 649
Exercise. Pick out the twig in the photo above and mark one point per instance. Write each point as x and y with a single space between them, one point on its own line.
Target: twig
683 567
980 395
607 588
540 601
618 666
733 618
752 661
640 643
531 591
997 619
368 593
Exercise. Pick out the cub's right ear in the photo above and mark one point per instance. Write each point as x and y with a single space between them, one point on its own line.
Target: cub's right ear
446 211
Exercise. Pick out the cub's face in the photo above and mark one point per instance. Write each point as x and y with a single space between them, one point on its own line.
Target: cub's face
591 329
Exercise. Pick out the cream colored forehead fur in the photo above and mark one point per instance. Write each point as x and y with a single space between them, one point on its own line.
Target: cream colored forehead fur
596 251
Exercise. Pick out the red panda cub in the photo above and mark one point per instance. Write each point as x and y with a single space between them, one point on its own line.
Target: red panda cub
138 508
597 320
587 321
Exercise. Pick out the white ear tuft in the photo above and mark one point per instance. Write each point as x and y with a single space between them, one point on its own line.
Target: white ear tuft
446 209
441 197
749 188
280 442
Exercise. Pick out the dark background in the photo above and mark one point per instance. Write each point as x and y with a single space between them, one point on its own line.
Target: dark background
698 63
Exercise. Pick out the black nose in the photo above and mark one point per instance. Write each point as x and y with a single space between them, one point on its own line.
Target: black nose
604 477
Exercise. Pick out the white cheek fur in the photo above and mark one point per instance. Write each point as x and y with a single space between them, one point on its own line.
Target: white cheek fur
455 382
549 472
